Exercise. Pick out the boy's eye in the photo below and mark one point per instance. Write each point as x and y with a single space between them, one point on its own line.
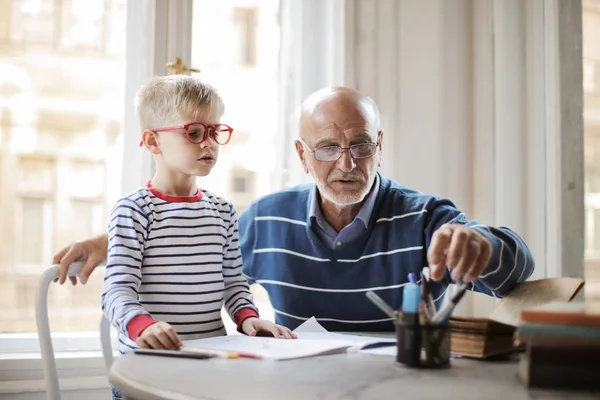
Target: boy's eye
196 132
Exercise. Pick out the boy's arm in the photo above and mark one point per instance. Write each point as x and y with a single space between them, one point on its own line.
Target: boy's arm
237 295
511 261
126 238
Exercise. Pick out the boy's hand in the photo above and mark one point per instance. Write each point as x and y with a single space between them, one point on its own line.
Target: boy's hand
159 336
255 326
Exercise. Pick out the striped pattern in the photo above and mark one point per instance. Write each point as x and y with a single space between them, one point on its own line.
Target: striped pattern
180 262
305 277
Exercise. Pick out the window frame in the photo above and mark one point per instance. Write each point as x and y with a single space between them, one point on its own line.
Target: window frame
152 36
20 360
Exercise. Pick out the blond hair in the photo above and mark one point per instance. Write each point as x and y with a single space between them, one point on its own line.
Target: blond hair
166 99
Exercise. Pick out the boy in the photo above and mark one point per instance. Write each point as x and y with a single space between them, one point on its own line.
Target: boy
174 256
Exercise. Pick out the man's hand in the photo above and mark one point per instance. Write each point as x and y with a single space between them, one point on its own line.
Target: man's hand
462 249
255 326
159 336
93 251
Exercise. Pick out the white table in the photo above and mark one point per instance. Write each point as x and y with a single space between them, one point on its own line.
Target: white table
344 376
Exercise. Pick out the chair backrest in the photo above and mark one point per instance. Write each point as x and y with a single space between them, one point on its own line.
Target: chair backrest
43 328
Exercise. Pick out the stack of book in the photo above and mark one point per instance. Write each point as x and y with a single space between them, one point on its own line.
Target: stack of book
562 343
494 336
480 337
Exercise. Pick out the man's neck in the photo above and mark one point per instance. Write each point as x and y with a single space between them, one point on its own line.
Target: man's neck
339 216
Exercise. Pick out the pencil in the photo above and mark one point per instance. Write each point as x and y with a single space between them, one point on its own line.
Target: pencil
219 353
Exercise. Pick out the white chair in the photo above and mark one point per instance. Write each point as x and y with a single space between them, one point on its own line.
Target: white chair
43 329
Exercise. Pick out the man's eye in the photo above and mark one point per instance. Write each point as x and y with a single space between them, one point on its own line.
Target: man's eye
330 149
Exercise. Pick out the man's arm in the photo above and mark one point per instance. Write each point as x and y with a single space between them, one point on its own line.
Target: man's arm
93 251
237 295
462 241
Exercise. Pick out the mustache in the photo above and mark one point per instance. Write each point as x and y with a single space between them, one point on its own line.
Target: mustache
355 176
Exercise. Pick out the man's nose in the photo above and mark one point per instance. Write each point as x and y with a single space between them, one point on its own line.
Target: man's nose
346 162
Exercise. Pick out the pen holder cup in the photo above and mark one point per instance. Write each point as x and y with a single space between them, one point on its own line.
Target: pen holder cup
423 346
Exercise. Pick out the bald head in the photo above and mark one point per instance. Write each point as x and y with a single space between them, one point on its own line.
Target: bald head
336 105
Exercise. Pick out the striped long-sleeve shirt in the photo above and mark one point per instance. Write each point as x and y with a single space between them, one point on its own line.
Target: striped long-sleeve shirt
174 259
305 277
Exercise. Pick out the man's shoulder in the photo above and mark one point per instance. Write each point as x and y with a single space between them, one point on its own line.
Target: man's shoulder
407 199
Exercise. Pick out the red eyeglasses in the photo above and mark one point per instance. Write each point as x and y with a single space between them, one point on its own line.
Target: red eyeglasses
197 132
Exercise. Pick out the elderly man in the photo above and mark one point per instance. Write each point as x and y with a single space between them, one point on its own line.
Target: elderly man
317 249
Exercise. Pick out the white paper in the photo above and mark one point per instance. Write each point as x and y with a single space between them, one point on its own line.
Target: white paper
312 330
270 348
310 325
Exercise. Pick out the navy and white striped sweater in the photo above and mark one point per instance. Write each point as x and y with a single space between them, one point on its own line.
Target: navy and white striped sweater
174 259
305 278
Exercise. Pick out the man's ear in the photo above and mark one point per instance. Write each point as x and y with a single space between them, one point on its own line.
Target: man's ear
301 154
380 147
150 140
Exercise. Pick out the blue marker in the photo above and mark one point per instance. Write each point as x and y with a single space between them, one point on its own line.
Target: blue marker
409 337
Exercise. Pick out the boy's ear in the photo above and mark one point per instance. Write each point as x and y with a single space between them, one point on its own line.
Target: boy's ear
150 140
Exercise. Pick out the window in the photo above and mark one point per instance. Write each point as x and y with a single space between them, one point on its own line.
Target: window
590 76
35 223
246 22
591 87
66 25
246 164
68 142
62 73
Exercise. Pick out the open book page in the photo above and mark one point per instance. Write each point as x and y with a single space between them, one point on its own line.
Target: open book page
312 330
531 294
270 348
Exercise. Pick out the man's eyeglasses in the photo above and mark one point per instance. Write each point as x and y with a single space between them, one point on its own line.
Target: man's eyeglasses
197 132
334 152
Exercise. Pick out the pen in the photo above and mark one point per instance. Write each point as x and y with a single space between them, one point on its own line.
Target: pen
425 302
429 302
379 302
411 278
447 308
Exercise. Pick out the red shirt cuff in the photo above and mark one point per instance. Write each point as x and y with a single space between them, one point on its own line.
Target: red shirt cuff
243 315
138 324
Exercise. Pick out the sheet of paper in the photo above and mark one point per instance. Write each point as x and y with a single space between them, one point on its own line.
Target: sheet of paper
310 325
357 342
312 330
271 348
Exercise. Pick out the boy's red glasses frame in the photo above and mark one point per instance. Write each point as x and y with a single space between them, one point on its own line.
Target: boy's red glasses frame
219 133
